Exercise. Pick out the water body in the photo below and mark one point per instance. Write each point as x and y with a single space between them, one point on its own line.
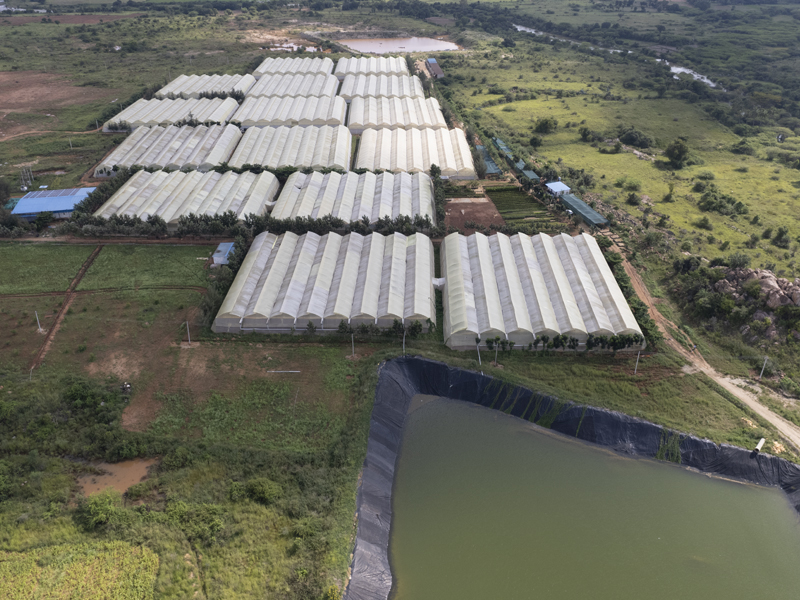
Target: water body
488 506
389 45
119 476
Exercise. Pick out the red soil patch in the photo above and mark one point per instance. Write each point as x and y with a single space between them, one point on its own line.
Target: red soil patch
480 210
65 19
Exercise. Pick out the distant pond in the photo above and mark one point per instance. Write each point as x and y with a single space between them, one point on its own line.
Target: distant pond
389 45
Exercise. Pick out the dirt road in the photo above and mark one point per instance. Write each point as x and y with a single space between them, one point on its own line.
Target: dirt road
788 430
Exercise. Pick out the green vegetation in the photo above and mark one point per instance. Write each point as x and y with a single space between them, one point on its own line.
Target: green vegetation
90 571
34 268
520 209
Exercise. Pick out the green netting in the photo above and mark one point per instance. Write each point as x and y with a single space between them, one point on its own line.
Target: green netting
586 212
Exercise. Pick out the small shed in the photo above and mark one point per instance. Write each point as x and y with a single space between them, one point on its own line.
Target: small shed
434 68
586 213
558 188
221 254
520 165
59 202
492 170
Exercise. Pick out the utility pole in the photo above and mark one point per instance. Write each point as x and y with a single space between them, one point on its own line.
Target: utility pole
188 333
353 343
637 362
762 368
37 320
404 342
478 348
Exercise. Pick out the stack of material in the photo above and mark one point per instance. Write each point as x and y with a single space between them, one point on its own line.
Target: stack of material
191 86
520 287
276 147
294 86
173 195
351 196
380 65
416 150
399 86
187 148
302 66
289 281
167 112
266 111
394 113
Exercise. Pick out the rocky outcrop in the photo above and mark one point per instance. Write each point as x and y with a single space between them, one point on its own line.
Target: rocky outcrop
775 291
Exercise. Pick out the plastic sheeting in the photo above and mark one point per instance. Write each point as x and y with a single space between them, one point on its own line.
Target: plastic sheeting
303 66
289 281
394 113
399 86
173 195
371 65
401 379
352 196
208 111
191 86
294 86
415 150
520 287
276 147
276 112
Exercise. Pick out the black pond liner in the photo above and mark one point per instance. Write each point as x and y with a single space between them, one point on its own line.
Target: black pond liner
403 378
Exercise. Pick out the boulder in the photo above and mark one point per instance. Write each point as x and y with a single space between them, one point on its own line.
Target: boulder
796 297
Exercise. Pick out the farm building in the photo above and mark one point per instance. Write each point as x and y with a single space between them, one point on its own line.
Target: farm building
415 150
394 113
192 86
292 66
288 281
59 202
520 287
433 68
275 112
504 149
351 196
557 188
521 170
209 111
276 147
393 86
585 212
492 170
295 86
188 148
173 195
373 65
221 254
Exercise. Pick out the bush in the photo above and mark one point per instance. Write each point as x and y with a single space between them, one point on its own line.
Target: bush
263 490
98 510
738 260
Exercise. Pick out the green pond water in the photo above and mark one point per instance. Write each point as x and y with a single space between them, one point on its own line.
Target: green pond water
489 507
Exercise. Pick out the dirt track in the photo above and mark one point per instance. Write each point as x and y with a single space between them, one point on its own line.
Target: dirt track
788 430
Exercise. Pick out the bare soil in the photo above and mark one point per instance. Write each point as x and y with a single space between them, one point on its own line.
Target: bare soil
119 476
480 210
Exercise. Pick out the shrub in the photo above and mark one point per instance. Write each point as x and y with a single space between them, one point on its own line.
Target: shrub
263 490
738 260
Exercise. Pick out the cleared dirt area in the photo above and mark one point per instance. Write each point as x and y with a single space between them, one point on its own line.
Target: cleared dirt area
66 19
482 211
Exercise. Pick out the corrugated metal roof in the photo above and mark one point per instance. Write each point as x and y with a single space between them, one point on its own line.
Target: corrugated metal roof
491 166
587 213
51 201
558 186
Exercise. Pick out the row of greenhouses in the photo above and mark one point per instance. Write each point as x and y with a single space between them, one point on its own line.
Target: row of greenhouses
276 111
193 86
399 86
208 111
323 147
295 86
394 113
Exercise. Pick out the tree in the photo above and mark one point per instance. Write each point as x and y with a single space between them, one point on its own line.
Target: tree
480 164
43 220
633 199
535 142
5 191
545 125
604 242
677 153
738 260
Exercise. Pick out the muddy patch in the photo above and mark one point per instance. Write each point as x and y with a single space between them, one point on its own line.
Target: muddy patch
119 476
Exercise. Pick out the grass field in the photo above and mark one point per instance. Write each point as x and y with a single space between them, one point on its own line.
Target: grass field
89 571
123 266
36 268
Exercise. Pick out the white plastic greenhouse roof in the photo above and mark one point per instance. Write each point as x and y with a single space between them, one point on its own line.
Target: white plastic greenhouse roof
166 112
176 194
400 86
294 86
520 287
415 150
287 281
191 86
276 147
394 113
187 148
279 66
266 111
351 196
381 65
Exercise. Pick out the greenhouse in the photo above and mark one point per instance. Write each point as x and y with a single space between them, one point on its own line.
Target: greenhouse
274 112
521 287
173 195
352 196
394 113
295 86
372 65
192 86
292 66
393 86
208 111
276 147
415 150
288 281
187 148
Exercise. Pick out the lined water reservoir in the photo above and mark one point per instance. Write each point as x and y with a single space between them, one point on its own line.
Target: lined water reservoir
489 506
385 45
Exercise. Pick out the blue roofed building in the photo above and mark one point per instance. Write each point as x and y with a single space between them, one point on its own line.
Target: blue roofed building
492 170
59 202
434 69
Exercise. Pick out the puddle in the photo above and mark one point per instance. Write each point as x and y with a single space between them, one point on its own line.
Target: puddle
119 476
384 45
